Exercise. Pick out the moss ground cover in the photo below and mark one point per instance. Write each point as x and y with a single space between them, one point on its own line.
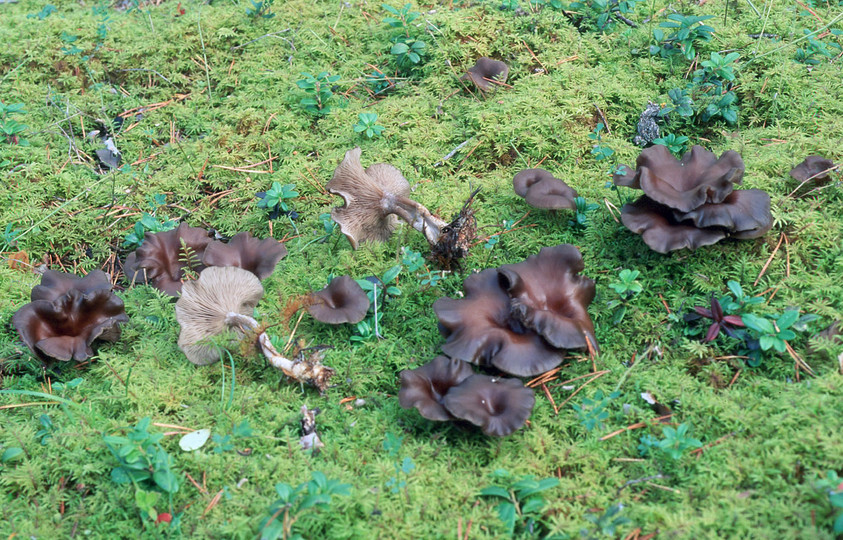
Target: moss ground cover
211 114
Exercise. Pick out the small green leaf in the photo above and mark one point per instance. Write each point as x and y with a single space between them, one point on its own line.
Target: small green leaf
11 454
495 491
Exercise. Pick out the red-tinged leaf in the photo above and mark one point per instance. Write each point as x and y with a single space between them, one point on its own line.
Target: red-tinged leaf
734 320
702 312
713 330
164 517
716 309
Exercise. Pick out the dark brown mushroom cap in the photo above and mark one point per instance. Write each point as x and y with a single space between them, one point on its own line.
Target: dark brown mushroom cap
698 178
813 167
498 406
425 386
161 260
362 218
550 296
745 213
542 190
660 229
342 301
55 284
479 329
247 252
64 328
484 71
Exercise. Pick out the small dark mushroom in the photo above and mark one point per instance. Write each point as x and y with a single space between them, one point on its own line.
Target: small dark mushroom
549 295
541 190
659 228
425 387
67 314
342 301
245 251
164 256
487 73
498 406
699 177
815 168
479 329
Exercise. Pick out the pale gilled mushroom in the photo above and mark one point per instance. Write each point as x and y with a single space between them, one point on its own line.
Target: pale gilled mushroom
222 299
374 196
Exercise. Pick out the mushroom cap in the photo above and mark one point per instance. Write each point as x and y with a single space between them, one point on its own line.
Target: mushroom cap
660 229
342 301
479 329
425 386
815 167
541 190
205 303
698 178
362 218
64 328
245 251
55 284
161 259
486 68
746 213
550 296
498 406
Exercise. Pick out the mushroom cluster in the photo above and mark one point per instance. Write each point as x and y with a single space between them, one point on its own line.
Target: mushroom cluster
519 319
67 313
375 197
691 202
163 258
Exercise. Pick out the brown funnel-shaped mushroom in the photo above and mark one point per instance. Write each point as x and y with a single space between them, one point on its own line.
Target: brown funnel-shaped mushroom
549 296
67 314
746 213
699 178
55 284
223 298
498 406
163 257
541 190
479 329
660 229
373 197
342 301
245 251
813 168
486 73
425 386
205 305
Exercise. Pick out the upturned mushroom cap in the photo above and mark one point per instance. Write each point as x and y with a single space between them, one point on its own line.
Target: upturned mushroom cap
484 71
813 167
479 329
700 177
161 260
67 314
745 213
550 296
204 307
425 386
660 229
498 406
245 251
55 284
342 301
366 194
541 190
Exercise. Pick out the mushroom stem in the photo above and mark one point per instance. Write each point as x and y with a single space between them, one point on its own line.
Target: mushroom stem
306 369
416 215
